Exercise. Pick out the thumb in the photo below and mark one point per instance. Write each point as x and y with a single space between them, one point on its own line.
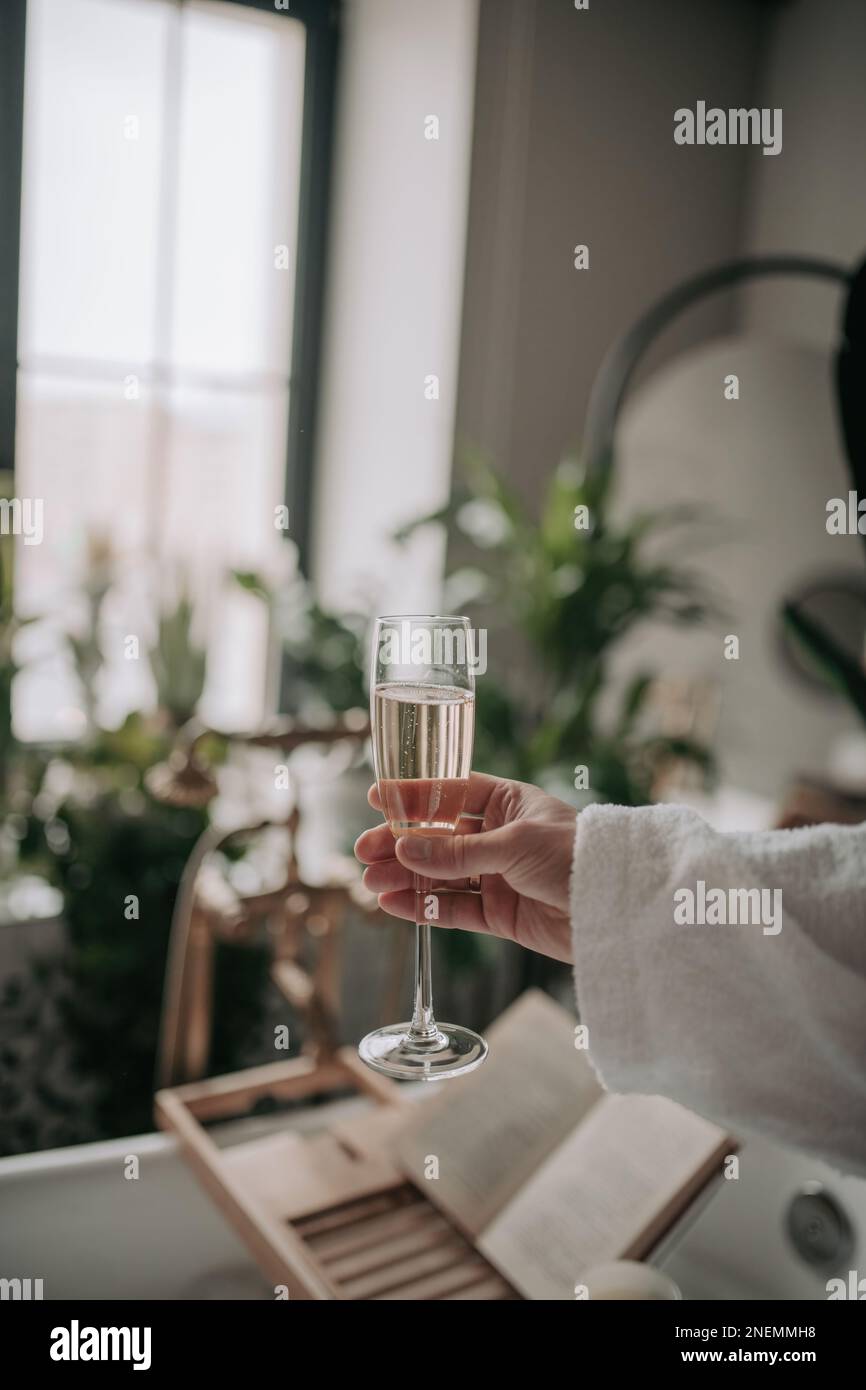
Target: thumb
458 856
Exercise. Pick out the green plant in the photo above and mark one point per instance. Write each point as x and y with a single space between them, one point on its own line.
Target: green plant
10 626
560 594
80 1023
323 655
838 668
563 592
178 662
85 645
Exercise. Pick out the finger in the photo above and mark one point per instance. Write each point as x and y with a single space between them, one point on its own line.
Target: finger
377 844
481 788
459 856
389 876
374 845
461 910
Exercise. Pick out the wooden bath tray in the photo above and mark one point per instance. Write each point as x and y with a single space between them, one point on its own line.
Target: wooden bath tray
326 1214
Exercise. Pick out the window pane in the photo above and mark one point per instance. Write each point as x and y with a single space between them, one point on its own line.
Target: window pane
90 204
223 480
242 87
155 335
84 450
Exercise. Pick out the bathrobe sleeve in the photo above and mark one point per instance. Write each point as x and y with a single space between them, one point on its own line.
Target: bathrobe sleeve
761 1029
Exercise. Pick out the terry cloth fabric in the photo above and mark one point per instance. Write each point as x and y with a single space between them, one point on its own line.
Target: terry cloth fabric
759 1032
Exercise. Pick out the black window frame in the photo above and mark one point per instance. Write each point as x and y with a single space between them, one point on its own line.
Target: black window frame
321 20
12 27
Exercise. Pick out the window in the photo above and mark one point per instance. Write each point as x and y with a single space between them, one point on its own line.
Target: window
174 176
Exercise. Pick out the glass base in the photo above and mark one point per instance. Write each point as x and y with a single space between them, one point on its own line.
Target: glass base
453 1051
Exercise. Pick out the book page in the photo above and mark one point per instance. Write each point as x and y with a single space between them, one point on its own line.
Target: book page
607 1193
490 1130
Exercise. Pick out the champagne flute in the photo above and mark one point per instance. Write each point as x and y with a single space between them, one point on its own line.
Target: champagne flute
422 698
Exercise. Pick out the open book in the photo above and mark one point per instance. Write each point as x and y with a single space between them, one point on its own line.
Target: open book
548 1173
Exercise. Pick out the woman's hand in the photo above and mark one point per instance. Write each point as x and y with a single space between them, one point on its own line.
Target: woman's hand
520 848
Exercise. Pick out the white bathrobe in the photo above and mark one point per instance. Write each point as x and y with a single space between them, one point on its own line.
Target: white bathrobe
762 1030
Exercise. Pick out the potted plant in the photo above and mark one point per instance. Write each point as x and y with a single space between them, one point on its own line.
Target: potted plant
564 592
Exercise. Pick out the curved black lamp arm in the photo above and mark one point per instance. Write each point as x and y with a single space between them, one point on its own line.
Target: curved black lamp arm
624 355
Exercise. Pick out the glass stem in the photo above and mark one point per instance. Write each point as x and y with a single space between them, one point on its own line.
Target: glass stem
423 1027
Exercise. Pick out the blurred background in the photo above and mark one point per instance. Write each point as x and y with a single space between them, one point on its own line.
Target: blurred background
294 330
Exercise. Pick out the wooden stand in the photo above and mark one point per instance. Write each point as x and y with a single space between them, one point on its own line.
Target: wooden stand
326 1215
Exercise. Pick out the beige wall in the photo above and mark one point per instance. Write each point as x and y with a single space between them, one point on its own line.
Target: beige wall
813 196
574 144
392 317
764 465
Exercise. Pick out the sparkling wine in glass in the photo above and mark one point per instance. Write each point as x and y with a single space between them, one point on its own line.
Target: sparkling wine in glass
422 700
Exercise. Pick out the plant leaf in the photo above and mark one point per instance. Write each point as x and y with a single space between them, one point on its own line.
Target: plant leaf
839 669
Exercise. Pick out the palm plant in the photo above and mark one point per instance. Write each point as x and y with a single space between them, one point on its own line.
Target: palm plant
567 589
178 661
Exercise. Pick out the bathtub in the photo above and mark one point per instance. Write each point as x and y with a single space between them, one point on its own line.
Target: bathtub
70 1218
